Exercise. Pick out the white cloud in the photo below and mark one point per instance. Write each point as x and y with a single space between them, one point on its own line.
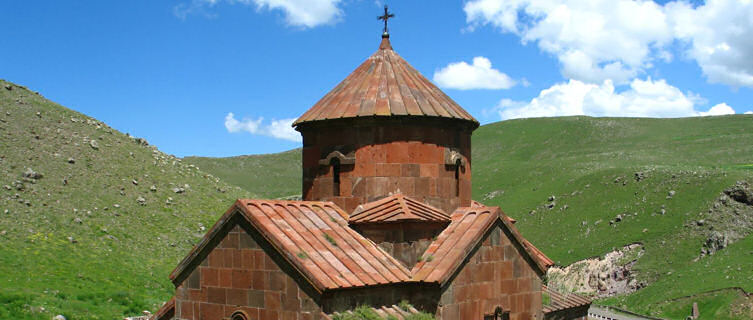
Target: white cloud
299 13
644 98
718 110
280 129
719 35
748 112
595 40
479 75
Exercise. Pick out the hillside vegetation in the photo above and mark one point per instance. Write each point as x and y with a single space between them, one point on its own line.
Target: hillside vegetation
92 221
658 177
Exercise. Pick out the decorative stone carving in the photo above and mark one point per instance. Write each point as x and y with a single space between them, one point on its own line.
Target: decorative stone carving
344 160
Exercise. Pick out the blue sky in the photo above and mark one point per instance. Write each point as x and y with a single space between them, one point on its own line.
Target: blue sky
223 78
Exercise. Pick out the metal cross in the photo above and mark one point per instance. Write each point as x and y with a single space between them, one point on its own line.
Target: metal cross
385 17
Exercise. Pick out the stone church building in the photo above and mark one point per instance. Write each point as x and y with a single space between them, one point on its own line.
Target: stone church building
386 218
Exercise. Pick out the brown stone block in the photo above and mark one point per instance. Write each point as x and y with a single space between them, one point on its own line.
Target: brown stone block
411 170
387 169
290 303
270 264
230 241
259 256
272 300
227 258
506 270
241 278
276 281
266 314
216 295
237 258
245 241
216 258
211 311
524 284
197 295
508 286
258 280
352 203
247 259
255 298
236 297
397 152
226 278
423 187
289 315
310 157
407 185
209 277
186 310
428 170
346 187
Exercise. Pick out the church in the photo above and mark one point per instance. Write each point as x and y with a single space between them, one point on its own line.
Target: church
386 222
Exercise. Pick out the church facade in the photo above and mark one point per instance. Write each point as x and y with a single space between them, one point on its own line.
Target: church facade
386 221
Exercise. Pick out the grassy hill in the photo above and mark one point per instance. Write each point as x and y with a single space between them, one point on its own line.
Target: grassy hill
91 220
273 175
589 165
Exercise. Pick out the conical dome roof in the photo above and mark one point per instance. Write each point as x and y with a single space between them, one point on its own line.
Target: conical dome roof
385 85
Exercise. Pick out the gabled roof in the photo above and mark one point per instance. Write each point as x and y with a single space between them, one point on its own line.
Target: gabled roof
458 240
315 238
384 311
382 86
561 301
166 312
397 208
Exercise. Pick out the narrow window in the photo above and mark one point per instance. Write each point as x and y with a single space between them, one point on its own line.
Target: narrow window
239 315
335 176
457 178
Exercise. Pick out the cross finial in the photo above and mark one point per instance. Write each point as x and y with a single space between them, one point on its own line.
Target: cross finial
385 17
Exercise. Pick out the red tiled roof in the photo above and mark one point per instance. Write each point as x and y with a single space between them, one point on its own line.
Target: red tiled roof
166 312
454 243
384 312
333 255
561 301
385 85
397 208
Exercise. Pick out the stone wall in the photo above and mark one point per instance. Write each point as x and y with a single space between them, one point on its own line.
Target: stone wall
497 274
238 275
408 156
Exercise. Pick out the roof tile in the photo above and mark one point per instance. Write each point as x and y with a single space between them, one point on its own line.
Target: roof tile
397 208
385 85
560 301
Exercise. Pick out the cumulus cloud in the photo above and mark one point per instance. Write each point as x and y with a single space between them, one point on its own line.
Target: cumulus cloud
718 110
719 33
479 75
280 129
644 98
299 13
748 112
596 40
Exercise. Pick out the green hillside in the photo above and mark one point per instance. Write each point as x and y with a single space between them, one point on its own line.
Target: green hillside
589 165
92 221
271 175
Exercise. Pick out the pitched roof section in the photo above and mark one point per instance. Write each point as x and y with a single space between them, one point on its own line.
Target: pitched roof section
315 238
397 208
383 311
561 301
457 241
382 86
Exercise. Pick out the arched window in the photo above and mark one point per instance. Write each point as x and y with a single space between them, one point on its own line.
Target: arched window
457 177
239 315
335 162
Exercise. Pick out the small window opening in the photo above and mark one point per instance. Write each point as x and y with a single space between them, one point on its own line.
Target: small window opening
239 315
335 176
457 177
